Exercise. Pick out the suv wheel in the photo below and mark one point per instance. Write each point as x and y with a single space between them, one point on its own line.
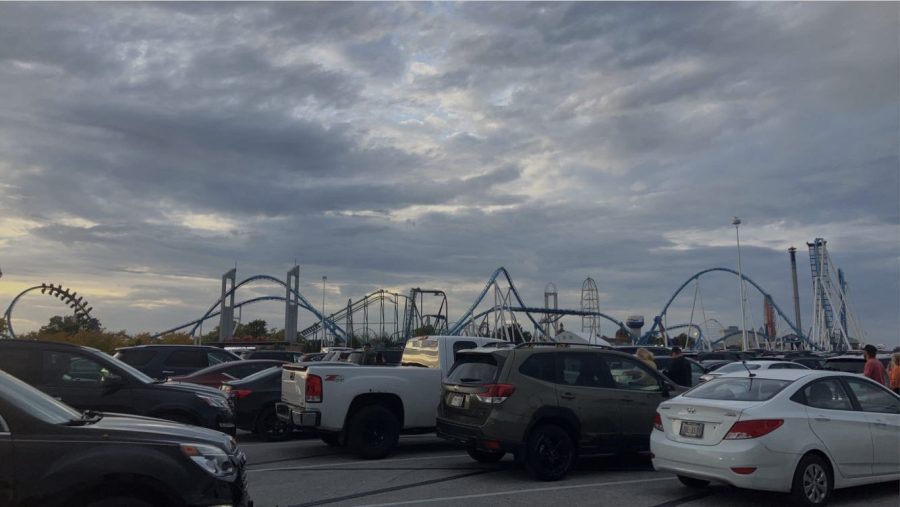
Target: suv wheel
485 456
551 452
812 481
270 427
373 432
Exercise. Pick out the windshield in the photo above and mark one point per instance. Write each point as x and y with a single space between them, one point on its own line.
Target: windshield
733 367
34 402
124 366
738 388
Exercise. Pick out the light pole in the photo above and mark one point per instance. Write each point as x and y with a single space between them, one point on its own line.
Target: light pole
736 223
323 311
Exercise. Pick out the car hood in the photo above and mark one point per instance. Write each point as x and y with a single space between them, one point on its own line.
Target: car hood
191 388
139 428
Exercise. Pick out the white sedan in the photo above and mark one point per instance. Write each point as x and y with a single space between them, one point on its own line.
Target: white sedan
806 432
744 366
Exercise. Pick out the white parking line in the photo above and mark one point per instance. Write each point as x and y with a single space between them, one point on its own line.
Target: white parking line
354 462
519 491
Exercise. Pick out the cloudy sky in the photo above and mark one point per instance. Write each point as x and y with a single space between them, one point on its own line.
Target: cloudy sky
147 148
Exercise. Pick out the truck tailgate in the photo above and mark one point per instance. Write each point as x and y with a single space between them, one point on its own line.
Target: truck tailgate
293 385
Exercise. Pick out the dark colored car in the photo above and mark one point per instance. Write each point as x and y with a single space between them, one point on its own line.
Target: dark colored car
215 376
311 356
853 363
375 357
88 379
547 404
254 400
289 356
162 361
53 455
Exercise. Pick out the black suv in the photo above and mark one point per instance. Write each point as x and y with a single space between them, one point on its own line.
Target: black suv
162 361
52 455
547 403
89 379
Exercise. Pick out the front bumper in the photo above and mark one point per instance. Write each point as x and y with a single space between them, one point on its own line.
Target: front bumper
221 492
298 417
774 471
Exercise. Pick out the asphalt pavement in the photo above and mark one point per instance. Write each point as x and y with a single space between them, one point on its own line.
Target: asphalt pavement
425 470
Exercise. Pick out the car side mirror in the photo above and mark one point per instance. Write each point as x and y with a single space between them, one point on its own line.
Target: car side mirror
112 382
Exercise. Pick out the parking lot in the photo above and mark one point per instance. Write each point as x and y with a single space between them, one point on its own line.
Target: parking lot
425 470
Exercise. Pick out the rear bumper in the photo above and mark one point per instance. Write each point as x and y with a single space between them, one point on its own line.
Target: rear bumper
774 471
298 417
471 436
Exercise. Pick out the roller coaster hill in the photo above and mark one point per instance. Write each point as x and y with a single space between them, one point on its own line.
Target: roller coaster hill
500 311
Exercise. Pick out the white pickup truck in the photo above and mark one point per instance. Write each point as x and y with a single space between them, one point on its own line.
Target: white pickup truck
367 407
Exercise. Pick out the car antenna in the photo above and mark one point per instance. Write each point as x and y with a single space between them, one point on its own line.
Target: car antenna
750 373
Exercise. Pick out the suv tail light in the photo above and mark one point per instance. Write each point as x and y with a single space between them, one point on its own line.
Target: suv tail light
743 430
495 394
313 389
657 422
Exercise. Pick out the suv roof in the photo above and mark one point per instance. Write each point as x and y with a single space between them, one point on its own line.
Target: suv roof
43 344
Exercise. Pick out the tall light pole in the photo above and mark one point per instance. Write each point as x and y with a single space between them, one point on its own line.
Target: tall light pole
736 223
323 311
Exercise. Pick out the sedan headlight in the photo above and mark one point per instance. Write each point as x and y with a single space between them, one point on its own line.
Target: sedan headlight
214 460
214 401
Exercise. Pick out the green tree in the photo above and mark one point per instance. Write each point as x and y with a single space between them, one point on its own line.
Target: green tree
69 325
3 327
255 328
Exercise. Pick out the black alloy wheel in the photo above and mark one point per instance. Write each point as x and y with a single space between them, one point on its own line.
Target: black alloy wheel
373 431
551 453
270 427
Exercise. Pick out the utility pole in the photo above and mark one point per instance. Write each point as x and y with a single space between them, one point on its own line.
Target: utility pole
324 278
736 223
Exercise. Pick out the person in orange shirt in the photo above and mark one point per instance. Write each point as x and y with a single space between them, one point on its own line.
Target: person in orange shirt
895 372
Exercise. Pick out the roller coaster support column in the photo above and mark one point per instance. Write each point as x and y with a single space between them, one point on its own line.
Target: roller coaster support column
291 302
226 312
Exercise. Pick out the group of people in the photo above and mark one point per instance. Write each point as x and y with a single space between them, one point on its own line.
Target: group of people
679 369
875 370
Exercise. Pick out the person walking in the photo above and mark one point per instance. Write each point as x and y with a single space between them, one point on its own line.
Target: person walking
679 369
645 356
895 372
874 369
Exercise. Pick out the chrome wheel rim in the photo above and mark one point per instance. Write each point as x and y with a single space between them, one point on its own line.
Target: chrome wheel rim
815 483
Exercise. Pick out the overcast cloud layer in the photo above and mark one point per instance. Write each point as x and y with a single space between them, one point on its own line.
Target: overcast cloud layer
146 148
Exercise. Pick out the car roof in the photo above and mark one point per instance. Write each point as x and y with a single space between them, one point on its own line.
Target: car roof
791 375
168 345
42 344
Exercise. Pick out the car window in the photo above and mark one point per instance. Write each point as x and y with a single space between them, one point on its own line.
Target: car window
826 394
187 359
34 402
787 366
872 398
136 357
541 366
628 373
463 345
3 427
738 388
68 369
733 367
23 364
474 368
585 369
848 365
422 352
218 356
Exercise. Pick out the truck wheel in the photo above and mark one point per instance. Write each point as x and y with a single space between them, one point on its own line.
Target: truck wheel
485 456
551 452
331 439
373 431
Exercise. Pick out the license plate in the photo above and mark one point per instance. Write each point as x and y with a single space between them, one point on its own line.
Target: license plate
456 400
691 429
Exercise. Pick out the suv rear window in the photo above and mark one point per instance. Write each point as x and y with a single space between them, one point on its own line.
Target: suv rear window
738 388
474 368
136 357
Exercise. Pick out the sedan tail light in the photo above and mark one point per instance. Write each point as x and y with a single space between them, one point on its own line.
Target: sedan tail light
657 422
239 393
313 389
743 430
495 394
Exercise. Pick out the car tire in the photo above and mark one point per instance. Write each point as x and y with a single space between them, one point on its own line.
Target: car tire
331 439
373 431
813 481
550 453
693 483
270 427
485 456
119 501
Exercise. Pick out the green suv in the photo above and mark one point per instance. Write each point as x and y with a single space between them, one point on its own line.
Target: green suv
548 403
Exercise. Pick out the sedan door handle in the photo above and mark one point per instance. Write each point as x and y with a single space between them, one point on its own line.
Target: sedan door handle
822 419
567 396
